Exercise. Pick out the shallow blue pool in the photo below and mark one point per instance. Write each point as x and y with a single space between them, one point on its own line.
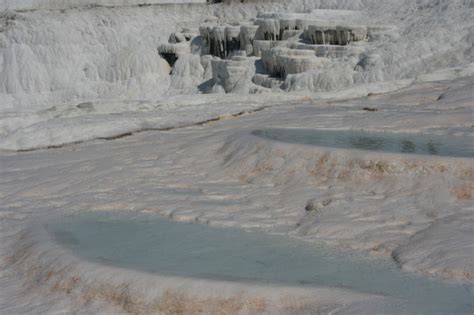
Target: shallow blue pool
374 141
152 244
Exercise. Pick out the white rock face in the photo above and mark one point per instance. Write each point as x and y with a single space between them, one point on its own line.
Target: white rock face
234 75
247 37
65 58
283 61
335 35
417 207
52 58
68 4
95 70
339 35
188 73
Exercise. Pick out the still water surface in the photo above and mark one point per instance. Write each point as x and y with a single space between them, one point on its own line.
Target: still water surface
374 141
156 245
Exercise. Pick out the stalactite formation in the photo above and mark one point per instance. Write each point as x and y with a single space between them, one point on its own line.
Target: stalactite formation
268 50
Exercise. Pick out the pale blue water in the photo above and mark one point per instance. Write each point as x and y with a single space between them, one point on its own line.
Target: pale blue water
375 141
152 244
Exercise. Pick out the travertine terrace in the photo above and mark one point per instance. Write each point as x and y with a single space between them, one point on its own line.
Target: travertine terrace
166 108
267 51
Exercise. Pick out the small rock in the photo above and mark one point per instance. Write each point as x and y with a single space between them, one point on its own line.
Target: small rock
315 204
88 106
370 109
176 38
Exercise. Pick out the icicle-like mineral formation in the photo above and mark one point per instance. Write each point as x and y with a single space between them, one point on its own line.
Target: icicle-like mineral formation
280 50
335 35
247 36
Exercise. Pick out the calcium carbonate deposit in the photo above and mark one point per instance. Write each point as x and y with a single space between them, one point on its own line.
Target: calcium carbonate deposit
236 156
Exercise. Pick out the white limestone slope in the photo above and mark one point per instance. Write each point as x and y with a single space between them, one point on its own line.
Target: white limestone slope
70 4
59 57
76 71
52 58
55 60
416 209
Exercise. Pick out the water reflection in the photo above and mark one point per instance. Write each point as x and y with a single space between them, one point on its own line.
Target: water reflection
407 146
433 148
367 143
374 141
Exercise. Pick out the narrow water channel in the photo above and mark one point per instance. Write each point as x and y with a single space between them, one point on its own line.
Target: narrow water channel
409 143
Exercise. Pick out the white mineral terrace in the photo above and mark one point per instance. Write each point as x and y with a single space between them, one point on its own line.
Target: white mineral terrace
236 157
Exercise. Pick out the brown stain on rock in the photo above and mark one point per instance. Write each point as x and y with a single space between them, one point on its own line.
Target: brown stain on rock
463 192
175 302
